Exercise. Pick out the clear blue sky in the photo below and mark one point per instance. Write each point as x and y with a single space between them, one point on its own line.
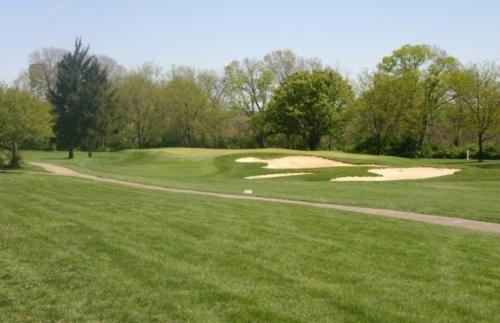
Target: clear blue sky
209 34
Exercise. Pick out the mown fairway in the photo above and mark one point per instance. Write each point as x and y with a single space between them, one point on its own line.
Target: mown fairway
472 193
77 250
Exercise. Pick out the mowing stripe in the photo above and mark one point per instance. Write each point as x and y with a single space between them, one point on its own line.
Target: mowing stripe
432 219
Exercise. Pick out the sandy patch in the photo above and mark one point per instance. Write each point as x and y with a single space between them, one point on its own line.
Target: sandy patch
295 162
251 160
276 175
397 174
59 170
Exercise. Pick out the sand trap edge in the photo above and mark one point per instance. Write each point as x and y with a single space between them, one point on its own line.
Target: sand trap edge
276 175
399 174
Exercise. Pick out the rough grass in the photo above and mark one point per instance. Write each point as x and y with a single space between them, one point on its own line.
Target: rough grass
472 193
76 250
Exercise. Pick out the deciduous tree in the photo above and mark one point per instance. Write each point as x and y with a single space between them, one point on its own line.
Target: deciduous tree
138 97
310 104
22 117
433 67
42 71
478 90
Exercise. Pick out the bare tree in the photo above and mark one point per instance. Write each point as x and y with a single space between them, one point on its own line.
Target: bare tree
250 85
42 71
282 63
114 69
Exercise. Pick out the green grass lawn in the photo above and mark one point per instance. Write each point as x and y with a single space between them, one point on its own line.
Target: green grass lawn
472 193
77 250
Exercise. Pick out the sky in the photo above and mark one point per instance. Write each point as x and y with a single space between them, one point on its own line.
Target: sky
352 35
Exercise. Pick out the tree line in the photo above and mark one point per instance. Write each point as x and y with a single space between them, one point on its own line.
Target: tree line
418 101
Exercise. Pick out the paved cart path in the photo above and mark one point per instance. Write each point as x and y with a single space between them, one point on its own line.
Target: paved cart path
433 219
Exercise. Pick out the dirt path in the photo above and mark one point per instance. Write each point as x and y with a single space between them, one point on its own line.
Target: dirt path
433 219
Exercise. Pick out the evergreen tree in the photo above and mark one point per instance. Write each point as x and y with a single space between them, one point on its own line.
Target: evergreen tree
98 105
83 99
67 97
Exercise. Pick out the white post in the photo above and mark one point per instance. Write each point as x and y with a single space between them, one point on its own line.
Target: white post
468 154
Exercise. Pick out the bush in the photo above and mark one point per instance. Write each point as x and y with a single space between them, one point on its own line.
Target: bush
452 152
15 162
426 151
490 151
4 159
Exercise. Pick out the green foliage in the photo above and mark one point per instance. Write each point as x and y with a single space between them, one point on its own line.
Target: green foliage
67 96
188 108
310 105
249 85
98 98
418 101
385 115
490 151
22 117
403 100
83 99
36 80
4 158
477 90
139 100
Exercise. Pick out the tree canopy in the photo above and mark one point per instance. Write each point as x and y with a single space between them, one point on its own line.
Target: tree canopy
418 101
82 98
22 117
310 105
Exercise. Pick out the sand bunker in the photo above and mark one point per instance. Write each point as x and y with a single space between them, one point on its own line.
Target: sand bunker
309 162
397 174
295 162
276 175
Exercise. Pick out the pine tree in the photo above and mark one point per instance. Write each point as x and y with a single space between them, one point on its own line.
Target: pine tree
98 105
67 97
83 98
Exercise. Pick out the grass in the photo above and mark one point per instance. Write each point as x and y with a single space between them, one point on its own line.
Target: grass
472 193
77 250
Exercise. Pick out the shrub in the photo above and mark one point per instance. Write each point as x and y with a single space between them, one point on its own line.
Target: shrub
4 159
491 151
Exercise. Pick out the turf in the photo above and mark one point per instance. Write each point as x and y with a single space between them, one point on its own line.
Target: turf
76 250
472 193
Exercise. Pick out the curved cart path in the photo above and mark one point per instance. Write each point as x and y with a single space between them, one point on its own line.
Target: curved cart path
433 219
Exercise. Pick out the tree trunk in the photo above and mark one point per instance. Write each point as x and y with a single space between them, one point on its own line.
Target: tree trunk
288 141
260 140
187 137
313 142
480 144
420 140
14 162
140 141
71 154
89 148
378 143
422 134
